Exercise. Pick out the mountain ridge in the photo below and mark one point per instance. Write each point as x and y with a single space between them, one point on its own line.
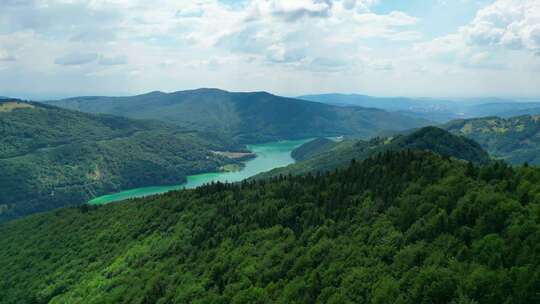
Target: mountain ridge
400 227
248 116
341 154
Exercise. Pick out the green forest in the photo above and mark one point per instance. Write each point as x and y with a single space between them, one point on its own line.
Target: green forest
52 157
322 155
249 117
513 139
398 227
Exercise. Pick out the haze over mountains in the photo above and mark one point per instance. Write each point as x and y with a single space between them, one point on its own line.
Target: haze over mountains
439 110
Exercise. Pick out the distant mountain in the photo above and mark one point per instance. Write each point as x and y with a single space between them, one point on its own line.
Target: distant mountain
52 157
387 103
341 154
522 112
508 109
515 139
248 117
424 108
439 110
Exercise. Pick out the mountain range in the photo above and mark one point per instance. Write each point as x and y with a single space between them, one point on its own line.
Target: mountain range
439 110
248 117
424 215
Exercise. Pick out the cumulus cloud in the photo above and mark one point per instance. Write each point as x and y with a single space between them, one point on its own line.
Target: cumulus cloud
509 23
505 25
149 43
113 60
453 50
5 56
76 58
294 10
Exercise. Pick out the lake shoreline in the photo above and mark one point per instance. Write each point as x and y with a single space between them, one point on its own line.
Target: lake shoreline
262 158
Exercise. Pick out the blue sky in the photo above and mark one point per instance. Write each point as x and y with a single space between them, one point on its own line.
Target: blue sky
437 48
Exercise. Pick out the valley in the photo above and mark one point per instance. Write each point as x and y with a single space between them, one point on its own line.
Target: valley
267 157
269 152
52 158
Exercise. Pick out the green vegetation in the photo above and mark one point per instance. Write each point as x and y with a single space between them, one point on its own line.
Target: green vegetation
329 157
400 227
231 168
313 148
516 139
51 157
248 117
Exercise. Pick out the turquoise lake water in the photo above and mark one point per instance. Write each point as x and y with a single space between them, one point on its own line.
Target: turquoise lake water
269 156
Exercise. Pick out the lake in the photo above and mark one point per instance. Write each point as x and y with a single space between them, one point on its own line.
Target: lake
269 156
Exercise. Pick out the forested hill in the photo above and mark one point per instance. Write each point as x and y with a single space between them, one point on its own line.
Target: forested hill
515 139
330 156
249 117
401 227
313 148
52 157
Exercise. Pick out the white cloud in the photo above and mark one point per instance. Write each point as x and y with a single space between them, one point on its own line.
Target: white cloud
5 56
76 58
113 60
297 44
509 23
502 27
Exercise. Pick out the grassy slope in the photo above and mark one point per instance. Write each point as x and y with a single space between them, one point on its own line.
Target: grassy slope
51 157
398 228
516 139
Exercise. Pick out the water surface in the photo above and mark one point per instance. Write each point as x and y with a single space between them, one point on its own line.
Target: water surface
269 156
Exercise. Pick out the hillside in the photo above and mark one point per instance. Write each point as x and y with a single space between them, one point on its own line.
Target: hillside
312 148
248 117
341 154
398 228
52 157
515 139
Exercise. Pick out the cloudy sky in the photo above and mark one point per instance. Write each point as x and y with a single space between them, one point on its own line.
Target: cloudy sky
438 48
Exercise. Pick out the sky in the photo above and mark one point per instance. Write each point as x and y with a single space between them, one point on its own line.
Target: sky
421 48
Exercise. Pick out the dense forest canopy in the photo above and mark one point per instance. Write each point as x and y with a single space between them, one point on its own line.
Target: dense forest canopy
399 227
52 157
